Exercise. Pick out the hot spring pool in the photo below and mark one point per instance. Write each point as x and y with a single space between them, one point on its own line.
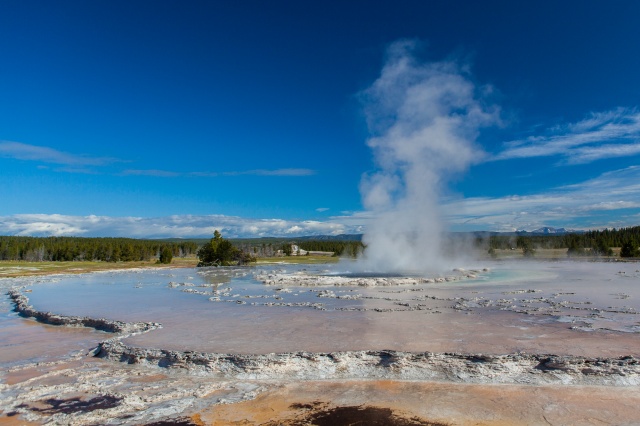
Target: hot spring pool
512 306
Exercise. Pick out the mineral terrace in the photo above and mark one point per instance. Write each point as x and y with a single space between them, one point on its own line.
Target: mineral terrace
147 372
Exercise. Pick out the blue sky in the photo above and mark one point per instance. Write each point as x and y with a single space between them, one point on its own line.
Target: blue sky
171 119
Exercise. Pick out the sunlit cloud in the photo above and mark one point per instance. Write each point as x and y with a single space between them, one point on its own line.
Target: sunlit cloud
589 154
179 226
585 205
608 134
572 206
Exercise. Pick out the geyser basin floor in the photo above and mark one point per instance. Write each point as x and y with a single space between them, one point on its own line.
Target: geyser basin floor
418 403
533 307
144 395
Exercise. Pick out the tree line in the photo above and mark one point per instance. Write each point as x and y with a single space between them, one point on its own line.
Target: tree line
349 248
128 249
258 249
577 244
38 249
338 247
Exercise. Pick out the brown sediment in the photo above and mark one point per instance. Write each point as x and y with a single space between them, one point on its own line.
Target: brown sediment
353 415
432 403
22 342
53 380
12 377
197 420
180 421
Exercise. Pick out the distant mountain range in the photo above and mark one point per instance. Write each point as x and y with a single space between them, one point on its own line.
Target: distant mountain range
550 231
547 230
340 237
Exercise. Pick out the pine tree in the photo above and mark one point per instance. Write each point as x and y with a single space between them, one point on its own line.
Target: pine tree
166 255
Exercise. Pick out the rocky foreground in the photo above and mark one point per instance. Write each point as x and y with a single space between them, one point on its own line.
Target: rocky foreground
160 387
393 365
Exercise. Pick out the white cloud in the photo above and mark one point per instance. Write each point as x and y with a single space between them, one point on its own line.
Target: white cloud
80 170
78 163
584 155
586 205
23 151
322 209
179 226
568 206
608 134
275 172
150 172
260 172
611 205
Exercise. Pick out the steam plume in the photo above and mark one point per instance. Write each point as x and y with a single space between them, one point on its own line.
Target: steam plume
423 119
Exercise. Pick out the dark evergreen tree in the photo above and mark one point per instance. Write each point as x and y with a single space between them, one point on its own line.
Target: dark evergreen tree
166 255
286 249
575 247
629 249
526 245
221 252
602 248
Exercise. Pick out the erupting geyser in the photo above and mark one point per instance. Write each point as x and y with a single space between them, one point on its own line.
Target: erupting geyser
423 119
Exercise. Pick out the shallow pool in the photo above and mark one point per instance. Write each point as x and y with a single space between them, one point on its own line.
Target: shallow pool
581 308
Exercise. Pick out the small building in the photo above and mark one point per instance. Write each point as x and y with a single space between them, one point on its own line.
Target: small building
297 251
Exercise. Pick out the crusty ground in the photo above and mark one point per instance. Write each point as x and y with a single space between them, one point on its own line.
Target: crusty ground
453 404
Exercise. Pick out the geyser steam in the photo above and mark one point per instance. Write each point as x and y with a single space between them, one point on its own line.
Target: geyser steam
423 119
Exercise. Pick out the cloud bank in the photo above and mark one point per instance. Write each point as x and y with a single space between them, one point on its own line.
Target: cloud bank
179 226
609 200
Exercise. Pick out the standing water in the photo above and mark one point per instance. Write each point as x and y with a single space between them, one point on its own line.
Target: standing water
509 307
